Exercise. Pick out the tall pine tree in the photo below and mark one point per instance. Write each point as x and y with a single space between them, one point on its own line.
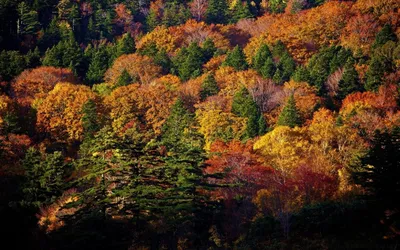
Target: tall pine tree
290 115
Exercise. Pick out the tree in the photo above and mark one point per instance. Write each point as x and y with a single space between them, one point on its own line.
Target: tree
236 59
192 64
126 45
380 168
209 87
124 79
44 177
350 81
263 62
198 9
243 105
152 20
375 72
209 49
240 11
290 115
90 119
217 11
60 112
385 35
28 23
99 63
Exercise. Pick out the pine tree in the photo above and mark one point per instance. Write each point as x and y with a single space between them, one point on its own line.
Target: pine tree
90 119
375 72
243 105
290 115
380 168
350 81
262 125
126 45
260 58
192 64
209 87
99 59
217 11
268 69
385 35
240 11
208 49
301 74
33 58
44 177
124 79
152 21
288 67
236 59
28 23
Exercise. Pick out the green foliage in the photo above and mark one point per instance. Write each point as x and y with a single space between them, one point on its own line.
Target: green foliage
28 23
175 14
301 74
126 45
99 59
240 11
209 87
290 115
380 168
236 59
152 21
44 177
375 73
189 62
209 49
350 81
217 11
263 62
66 54
385 35
243 105
276 6
90 119
124 79
12 63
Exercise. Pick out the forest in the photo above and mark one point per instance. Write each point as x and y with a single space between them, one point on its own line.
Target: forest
199 124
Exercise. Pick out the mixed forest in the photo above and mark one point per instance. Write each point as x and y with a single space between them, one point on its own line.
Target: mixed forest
199 124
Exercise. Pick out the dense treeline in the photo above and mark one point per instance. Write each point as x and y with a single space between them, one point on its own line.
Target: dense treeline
203 124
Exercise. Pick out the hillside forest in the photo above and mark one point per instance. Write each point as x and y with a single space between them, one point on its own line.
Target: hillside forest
199 124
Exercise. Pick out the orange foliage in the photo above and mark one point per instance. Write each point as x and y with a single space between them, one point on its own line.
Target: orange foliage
60 112
6 107
360 33
141 67
36 83
13 148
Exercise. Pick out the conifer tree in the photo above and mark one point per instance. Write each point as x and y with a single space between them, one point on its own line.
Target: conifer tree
243 105
192 64
217 11
152 21
236 59
208 49
124 79
301 74
350 81
375 72
288 66
385 35
209 87
290 115
90 119
240 11
99 59
27 20
126 45
260 58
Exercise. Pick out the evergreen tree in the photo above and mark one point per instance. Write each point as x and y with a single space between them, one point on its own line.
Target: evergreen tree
350 81
33 58
12 63
380 168
162 59
243 105
375 72
44 177
288 66
99 59
262 125
90 119
260 58
51 36
28 23
268 69
236 59
208 49
209 87
217 11
126 45
152 21
290 115
192 64
301 74
124 79
240 11
385 35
